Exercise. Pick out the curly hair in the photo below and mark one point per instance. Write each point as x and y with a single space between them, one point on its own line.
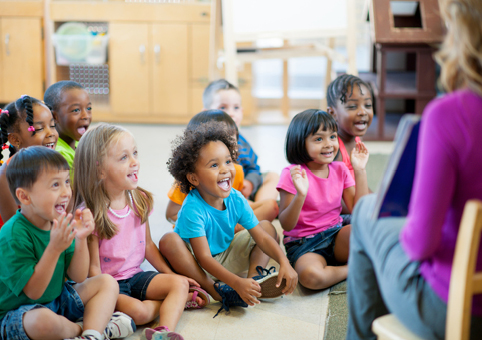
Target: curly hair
460 57
186 150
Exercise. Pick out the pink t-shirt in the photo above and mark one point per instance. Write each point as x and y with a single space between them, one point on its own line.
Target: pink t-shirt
122 255
322 206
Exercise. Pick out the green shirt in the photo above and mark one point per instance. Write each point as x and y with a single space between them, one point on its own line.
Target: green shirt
21 246
68 153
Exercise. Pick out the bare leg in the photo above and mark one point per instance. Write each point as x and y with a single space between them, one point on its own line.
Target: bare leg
314 273
141 312
43 324
342 244
268 189
183 262
99 295
265 209
258 257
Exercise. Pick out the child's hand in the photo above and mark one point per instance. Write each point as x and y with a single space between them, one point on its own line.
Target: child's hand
247 188
62 234
359 156
300 179
83 223
249 290
290 275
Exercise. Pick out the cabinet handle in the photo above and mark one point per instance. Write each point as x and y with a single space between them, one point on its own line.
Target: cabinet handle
7 40
157 53
142 51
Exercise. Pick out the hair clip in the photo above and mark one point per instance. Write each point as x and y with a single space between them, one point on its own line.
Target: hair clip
23 95
31 128
4 111
4 146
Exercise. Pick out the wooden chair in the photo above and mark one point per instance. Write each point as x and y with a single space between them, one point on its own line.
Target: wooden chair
464 283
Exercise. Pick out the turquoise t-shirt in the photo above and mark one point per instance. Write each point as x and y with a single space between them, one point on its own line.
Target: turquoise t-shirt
197 218
21 246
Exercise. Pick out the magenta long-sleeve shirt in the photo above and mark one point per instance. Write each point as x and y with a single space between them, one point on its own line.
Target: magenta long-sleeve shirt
448 173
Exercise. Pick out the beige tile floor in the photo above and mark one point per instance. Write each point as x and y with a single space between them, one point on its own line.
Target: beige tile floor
298 316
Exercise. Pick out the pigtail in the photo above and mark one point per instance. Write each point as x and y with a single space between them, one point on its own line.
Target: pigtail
3 132
27 104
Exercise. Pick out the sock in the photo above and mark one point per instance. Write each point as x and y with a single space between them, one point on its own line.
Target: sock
93 333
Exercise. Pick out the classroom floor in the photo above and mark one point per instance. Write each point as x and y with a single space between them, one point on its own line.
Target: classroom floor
301 315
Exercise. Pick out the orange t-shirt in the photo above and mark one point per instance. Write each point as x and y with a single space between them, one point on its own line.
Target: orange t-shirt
178 197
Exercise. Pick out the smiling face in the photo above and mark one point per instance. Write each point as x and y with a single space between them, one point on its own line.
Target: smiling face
230 102
47 199
355 116
45 133
73 115
322 147
214 174
121 166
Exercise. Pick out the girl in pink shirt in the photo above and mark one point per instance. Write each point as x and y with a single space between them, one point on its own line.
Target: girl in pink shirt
311 190
105 180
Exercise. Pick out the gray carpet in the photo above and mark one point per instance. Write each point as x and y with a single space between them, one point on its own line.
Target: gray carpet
337 314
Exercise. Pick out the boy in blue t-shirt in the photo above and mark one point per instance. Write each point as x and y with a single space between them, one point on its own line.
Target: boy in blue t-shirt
202 163
39 247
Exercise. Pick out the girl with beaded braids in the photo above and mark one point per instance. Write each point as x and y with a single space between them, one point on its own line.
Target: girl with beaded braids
23 123
350 102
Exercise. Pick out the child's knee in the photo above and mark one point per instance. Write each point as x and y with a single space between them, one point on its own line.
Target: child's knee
107 283
271 177
270 229
42 321
170 242
273 207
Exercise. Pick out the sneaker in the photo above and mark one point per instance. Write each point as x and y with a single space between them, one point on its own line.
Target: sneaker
160 333
120 326
230 297
267 279
83 337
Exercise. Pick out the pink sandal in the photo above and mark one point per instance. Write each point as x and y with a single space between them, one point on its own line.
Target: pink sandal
192 304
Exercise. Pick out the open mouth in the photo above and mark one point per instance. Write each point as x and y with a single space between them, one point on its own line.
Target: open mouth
327 154
133 176
362 125
60 208
225 184
50 145
81 130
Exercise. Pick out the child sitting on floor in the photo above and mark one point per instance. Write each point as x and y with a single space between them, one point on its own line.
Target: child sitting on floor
311 189
122 238
263 209
203 245
72 111
39 247
222 95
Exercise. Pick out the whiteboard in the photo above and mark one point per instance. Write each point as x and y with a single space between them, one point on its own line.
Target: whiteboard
288 18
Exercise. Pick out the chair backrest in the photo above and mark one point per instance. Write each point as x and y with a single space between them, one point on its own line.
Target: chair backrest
465 281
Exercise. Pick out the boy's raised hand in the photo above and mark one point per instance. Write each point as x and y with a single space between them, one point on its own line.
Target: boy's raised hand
83 223
359 156
287 272
62 233
249 290
300 180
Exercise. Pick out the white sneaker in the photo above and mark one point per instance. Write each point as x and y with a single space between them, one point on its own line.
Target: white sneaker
85 337
120 326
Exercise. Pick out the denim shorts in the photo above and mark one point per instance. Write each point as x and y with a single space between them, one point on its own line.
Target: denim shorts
68 304
136 286
322 244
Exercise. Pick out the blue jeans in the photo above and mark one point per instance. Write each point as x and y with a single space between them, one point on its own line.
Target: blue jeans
68 304
382 279
136 286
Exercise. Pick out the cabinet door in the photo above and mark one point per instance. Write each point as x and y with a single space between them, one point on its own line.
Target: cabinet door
129 68
22 58
199 60
170 70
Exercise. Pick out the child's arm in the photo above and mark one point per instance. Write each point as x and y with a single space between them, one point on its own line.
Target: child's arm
61 237
94 268
83 223
172 210
154 256
290 205
359 159
248 289
271 248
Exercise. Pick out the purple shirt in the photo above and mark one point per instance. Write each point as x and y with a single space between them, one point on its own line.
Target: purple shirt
322 207
448 173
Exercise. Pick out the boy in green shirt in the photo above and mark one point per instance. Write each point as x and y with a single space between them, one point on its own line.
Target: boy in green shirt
39 247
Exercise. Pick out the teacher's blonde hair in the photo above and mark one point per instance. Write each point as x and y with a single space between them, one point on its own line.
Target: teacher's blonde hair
461 54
